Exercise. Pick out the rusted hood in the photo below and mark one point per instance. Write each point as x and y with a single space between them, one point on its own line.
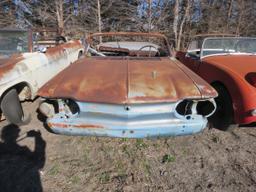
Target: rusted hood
239 64
125 80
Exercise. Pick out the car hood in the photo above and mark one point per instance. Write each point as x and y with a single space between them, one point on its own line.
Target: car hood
239 64
126 80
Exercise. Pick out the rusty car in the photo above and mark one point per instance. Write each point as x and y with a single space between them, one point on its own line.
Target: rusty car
128 86
228 63
28 59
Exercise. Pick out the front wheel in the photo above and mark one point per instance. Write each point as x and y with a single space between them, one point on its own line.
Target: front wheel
80 54
12 109
223 118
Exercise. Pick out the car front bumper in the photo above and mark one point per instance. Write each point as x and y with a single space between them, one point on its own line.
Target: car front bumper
133 121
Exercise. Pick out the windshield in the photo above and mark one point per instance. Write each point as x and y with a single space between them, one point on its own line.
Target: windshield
228 45
13 42
128 44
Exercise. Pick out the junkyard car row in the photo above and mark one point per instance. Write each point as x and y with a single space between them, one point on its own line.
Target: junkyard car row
129 84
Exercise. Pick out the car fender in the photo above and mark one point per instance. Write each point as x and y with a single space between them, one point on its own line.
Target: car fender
236 86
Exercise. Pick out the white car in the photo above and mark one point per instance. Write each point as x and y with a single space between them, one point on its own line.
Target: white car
27 63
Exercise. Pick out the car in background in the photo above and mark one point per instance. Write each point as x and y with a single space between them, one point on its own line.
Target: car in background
28 59
228 63
128 86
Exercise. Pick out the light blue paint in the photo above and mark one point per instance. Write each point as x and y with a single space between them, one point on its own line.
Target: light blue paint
140 121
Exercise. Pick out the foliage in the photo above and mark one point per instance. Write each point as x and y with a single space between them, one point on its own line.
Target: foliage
178 19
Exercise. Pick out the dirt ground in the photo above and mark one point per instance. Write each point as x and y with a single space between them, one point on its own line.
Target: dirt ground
210 161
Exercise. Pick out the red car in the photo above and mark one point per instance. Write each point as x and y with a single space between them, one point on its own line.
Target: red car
229 65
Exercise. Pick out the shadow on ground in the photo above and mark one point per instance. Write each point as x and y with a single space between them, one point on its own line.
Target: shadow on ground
19 166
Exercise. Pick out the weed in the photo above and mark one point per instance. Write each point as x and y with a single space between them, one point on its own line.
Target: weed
167 158
121 178
104 177
124 140
140 144
215 139
147 167
184 151
156 145
54 170
75 179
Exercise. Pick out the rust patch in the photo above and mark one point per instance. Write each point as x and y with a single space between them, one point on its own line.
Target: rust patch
84 126
123 50
58 125
121 81
170 84
55 52
90 79
206 90
8 64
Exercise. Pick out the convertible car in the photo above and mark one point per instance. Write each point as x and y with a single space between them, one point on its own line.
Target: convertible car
128 86
28 59
228 63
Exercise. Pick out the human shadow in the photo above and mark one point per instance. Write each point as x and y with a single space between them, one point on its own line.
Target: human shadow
19 166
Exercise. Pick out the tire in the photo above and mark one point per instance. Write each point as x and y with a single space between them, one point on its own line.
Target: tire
12 109
223 118
80 54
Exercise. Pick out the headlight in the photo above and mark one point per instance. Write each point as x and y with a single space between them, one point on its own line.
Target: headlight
67 107
201 107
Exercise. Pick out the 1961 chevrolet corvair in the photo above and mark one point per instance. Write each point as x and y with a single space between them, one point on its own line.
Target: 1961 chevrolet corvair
28 59
128 86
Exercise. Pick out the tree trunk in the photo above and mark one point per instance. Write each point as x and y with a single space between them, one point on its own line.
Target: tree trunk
149 15
99 18
176 20
60 16
185 17
229 13
241 13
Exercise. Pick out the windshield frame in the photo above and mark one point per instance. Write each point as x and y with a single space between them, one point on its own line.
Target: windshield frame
227 53
90 38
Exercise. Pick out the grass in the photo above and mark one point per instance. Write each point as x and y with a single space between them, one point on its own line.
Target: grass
75 179
54 170
140 144
104 177
123 140
147 167
184 151
215 139
167 158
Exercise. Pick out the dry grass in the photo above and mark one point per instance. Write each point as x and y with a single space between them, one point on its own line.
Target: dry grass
210 161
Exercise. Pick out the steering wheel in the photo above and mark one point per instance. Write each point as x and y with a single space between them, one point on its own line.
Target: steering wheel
150 46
